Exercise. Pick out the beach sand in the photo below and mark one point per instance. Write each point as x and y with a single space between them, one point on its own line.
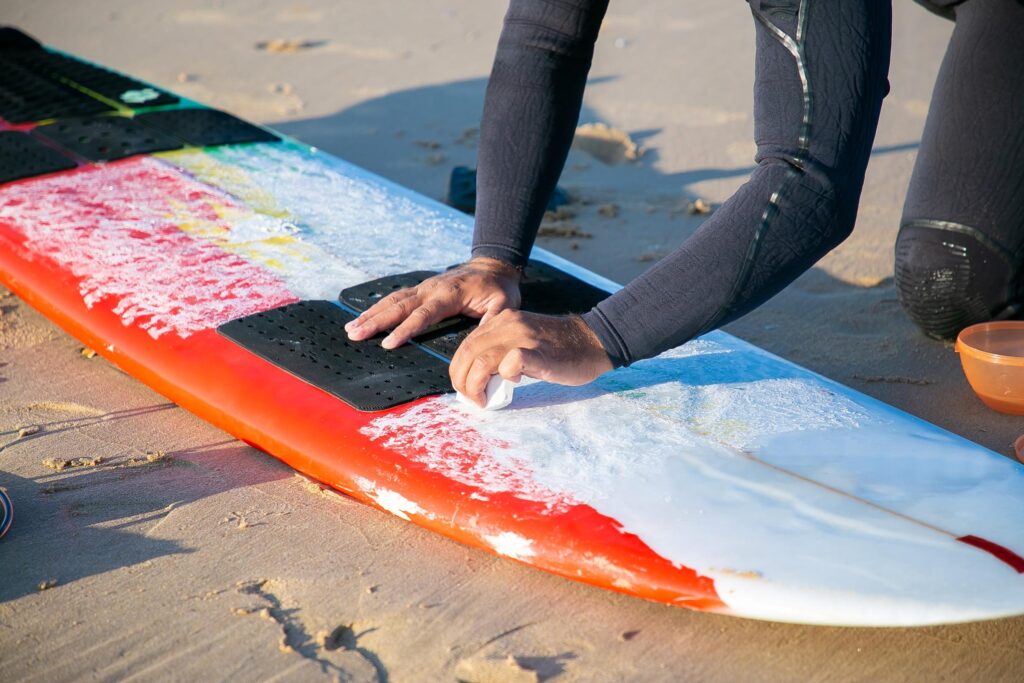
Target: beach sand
164 549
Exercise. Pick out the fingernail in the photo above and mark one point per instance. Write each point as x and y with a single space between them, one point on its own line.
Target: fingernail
387 342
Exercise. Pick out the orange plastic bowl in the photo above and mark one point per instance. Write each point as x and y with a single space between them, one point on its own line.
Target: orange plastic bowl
993 358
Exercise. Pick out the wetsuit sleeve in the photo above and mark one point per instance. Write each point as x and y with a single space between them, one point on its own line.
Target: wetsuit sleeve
530 113
821 74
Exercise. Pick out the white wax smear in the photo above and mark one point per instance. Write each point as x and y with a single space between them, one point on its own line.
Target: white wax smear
498 391
355 225
660 447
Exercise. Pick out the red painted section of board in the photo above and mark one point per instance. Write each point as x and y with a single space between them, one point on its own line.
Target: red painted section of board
320 436
1000 552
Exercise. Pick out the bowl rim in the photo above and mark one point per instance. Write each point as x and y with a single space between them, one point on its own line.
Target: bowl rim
997 358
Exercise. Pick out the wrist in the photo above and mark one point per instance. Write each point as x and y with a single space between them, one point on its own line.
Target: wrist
592 343
497 266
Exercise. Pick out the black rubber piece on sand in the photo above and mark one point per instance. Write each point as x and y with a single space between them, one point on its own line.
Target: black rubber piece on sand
6 513
205 127
22 156
308 340
462 192
545 289
106 138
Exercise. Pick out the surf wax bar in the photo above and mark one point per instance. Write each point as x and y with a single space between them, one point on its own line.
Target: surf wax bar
499 394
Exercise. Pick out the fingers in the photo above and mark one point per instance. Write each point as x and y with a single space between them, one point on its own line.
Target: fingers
479 375
498 305
466 355
417 321
383 315
513 366
461 364
409 312
483 353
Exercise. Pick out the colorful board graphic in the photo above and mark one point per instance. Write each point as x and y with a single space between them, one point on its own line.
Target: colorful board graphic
715 476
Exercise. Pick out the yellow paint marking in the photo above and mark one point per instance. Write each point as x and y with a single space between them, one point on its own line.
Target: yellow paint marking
227 178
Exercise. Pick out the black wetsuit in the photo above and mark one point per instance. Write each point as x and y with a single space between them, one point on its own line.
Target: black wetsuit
821 75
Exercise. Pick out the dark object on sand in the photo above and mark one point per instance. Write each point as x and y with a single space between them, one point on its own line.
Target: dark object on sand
6 513
462 192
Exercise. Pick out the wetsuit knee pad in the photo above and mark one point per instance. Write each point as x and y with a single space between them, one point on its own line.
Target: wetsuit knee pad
948 278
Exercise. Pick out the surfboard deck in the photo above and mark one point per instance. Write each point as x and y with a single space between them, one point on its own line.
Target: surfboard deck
716 476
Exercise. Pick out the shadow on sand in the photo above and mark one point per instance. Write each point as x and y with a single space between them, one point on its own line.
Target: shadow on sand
86 520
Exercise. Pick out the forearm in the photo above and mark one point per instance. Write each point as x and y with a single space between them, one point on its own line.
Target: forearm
530 113
817 101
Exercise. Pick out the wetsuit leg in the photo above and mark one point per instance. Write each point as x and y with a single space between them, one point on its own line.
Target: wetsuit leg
960 250
821 74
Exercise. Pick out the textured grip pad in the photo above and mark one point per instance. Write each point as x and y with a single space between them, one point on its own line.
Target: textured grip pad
308 340
545 289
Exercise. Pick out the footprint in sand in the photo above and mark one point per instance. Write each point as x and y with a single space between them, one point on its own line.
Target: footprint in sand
606 144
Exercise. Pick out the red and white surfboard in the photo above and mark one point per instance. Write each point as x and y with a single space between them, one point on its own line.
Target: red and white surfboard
716 476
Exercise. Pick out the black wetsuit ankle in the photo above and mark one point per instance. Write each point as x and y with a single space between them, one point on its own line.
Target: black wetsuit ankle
820 79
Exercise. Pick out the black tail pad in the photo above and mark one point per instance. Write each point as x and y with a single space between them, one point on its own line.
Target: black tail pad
22 156
204 127
307 339
104 82
551 291
26 96
545 289
106 138
13 39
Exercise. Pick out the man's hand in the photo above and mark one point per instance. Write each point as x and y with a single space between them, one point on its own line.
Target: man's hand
563 350
481 288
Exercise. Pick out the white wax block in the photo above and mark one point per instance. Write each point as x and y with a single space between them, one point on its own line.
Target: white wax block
499 394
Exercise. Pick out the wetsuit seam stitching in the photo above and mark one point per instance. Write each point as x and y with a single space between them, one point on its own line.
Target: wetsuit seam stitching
970 231
546 29
795 48
495 245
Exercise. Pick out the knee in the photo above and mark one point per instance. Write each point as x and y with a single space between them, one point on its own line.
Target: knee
563 30
947 278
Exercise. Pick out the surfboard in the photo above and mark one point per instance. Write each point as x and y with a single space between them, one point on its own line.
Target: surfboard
193 250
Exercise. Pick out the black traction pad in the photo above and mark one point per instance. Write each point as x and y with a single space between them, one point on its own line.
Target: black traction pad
308 340
106 138
545 289
13 39
22 156
443 338
109 84
204 127
26 96
37 84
